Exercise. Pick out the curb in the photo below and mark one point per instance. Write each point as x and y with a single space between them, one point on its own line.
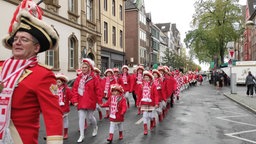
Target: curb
240 103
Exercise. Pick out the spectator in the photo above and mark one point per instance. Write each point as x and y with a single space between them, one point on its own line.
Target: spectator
250 82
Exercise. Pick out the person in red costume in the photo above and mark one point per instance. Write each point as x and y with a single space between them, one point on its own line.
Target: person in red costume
161 89
137 81
28 88
97 74
117 105
65 94
147 100
117 76
87 94
127 82
106 82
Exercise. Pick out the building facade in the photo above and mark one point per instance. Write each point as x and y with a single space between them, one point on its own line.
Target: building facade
78 26
136 33
113 33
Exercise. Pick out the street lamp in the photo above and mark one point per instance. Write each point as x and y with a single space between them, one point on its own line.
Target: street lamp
249 24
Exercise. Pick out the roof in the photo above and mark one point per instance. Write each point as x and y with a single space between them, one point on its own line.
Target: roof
164 27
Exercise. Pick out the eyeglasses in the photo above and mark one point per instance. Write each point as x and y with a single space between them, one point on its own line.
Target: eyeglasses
24 40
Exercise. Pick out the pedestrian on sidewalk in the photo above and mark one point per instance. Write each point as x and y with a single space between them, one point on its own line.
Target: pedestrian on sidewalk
28 88
249 81
118 106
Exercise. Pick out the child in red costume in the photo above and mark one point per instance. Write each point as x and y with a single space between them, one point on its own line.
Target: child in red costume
117 105
65 95
106 82
97 74
161 89
147 100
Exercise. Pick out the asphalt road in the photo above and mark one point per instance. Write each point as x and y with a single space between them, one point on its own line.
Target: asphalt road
202 115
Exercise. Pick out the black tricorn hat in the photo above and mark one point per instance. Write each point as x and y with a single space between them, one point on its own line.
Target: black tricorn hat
46 35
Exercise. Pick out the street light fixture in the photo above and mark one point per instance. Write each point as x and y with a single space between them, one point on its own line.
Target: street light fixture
249 24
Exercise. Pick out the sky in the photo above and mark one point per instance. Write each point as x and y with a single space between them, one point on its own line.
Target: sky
175 11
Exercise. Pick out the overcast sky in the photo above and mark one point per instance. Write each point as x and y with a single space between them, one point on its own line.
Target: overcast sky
174 11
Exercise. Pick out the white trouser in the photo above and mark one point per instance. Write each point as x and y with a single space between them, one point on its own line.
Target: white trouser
147 116
65 120
113 124
83 115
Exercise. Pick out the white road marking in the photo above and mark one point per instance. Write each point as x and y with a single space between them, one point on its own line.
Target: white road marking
233 135
139 121
242 132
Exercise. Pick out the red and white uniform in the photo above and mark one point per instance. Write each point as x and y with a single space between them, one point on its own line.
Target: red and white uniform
127 82
117 106
91 92
147 94
31 97
106 82
65 96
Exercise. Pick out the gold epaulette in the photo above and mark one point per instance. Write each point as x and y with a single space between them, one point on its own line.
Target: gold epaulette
45 66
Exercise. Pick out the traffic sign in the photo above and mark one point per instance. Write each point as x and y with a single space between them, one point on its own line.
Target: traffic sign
231 53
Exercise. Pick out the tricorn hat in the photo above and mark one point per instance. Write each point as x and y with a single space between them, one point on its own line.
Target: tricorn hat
28 18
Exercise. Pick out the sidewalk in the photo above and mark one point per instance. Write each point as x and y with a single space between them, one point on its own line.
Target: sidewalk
242 99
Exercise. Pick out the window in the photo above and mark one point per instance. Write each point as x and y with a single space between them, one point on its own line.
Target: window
142 52
113 7
50 58
105 32
71 53
114 36
106 5
142 18
89 10
71 6
121 39
121 12
142 35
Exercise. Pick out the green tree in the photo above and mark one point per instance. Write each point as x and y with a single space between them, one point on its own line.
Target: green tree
174 60
214 27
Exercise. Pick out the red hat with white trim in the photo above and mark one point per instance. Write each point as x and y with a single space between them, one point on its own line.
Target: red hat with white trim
148 74
117 87
89 62
125 66
140 67
97 70
157 72
161 68
61 76
109 70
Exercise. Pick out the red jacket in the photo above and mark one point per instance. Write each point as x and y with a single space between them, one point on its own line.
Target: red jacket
31 97
92 93
128 85
102 85
121 108
153 95
67 98
173 85
161 89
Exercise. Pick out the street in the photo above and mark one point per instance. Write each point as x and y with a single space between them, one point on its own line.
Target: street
202 115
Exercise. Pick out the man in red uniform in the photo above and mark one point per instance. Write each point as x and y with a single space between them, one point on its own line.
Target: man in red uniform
28 88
